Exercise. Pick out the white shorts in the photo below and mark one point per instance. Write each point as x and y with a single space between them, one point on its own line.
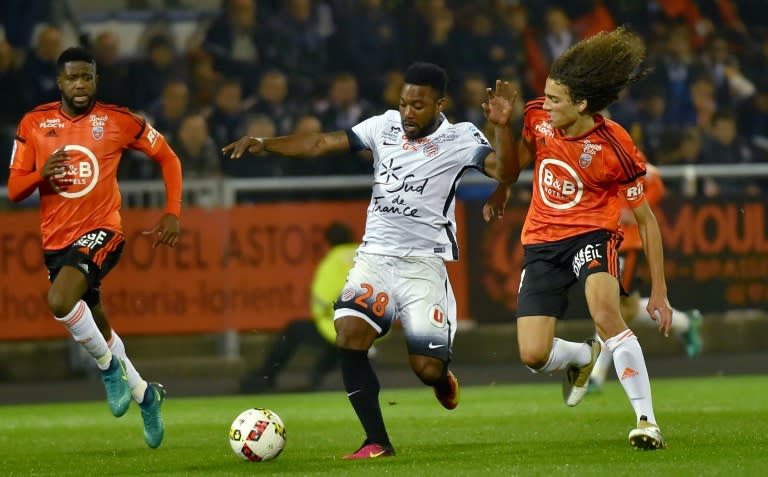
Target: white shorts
381 289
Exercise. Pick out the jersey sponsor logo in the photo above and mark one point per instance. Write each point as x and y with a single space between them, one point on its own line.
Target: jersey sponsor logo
51 123
545 128
51 133
589 254
152 135
91 240
559 185
479 138
436 316
635 192
81 173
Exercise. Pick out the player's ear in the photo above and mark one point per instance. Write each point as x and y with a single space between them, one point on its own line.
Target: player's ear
441 104
581 106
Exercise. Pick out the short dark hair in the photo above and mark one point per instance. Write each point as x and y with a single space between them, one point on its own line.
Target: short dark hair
428 74
74 53
338 233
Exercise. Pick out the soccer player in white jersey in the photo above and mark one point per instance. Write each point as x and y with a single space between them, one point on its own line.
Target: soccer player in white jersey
399 272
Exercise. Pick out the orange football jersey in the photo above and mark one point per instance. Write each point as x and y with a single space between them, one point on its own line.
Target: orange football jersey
88 195
577 181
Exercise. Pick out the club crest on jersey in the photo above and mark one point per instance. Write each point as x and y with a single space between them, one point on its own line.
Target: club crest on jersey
437 316
347 294
98 132
590 149
430 150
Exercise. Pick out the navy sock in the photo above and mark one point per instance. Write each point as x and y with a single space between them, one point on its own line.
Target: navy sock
362 387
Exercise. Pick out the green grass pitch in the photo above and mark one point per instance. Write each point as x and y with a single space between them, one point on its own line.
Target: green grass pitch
713 426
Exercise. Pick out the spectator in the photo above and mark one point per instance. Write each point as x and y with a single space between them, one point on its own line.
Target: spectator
674 72
10 80
724 145
234 40
297 44
151 72
114 74
194 146
39 68
272 99
365 27
169 109
731 86
318 331
224 117
343 107
753 120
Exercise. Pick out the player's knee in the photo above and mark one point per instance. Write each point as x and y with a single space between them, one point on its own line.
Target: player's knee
354 333
429 370
534 358
59 304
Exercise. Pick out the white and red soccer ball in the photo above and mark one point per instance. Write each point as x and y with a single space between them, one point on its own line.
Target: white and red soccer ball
257 435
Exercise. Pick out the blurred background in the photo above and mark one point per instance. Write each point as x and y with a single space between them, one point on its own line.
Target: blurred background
205 72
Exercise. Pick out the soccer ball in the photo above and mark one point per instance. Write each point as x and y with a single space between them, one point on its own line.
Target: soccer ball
257 435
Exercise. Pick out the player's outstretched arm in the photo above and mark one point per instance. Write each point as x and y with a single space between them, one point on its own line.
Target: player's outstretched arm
295 145
658 304
498 111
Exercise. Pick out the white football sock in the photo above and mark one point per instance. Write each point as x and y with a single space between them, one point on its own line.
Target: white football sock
602 365
137 385
630 368
565 353
680 320
81 325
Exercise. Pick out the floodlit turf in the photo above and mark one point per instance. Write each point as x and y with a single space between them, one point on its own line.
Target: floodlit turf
714 426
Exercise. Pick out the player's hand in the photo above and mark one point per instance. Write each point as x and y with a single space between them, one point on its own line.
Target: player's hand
499 108
251 144
166 231
496 204
661 311
55 166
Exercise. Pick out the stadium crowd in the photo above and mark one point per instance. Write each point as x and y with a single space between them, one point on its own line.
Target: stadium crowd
268 67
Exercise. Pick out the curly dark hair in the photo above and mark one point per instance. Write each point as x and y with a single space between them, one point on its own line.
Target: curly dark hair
598 68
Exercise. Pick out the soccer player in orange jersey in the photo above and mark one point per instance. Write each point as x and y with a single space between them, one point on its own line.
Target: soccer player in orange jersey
69 151
585 167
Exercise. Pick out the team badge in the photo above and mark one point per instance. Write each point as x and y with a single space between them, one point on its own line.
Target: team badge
430 150
98 132
437 316
347 294
585 160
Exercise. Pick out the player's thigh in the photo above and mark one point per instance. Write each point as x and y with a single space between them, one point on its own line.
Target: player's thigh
428 309
544 289
602 294
367 295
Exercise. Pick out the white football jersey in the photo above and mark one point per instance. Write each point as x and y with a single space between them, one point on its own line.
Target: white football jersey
412 209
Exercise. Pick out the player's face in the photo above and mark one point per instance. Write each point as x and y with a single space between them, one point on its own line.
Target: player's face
419 110
77 82
563 112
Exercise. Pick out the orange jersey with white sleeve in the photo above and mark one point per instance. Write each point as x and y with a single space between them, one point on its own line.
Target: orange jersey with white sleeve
88 196
580 184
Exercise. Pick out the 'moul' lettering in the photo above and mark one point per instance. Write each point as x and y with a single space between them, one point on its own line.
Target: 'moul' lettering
714 228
